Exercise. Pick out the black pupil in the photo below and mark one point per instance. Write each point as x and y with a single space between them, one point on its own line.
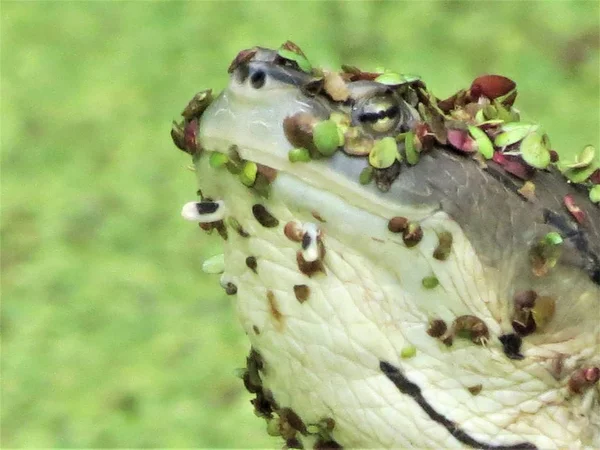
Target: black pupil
257 79
389 113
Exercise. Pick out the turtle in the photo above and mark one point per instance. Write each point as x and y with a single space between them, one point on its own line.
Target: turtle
410 271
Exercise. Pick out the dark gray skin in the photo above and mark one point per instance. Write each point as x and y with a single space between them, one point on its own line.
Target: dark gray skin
496 218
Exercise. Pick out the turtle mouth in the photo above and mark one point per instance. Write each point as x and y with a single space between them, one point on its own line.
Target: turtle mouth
250 139
302 208
262 170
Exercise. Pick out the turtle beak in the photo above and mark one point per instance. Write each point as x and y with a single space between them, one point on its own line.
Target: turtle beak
232 120
253 125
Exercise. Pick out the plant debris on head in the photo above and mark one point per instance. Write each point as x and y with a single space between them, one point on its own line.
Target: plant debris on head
479 122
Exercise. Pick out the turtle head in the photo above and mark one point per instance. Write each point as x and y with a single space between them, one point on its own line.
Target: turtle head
339 131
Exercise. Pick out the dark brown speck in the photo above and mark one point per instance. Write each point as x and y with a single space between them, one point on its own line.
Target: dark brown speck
293 231
233 223
471 327
475 390
274 309
302 292
251 263
230 289
311 267
385 177
293 443
264 217
268 172
317 216
524 299
412 234
219 226
327 445
288 415
437 328
511 343
197 105
397 224
298 130
522 319
444 248
583 379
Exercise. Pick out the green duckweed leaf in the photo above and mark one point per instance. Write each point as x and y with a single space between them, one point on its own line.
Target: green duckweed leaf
408 352
384 153
430 282
580 175
412 156
395 79
366 175
513 132
299 155
390 79
217 160
326 137
484 145
248 173
583 159
534 152
479 117
595 193
502 112
301 60
490 112
553 238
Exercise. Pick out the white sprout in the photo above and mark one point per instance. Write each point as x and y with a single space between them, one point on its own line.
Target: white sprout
214 264
204 212
310 248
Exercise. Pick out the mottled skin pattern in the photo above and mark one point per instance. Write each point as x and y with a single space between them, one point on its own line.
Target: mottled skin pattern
337 353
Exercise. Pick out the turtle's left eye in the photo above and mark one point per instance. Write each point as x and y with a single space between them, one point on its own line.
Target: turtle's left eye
379 114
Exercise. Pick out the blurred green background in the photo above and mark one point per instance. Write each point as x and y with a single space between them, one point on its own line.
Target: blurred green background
112 335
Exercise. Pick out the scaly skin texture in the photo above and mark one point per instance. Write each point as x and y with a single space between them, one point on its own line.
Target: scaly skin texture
338 302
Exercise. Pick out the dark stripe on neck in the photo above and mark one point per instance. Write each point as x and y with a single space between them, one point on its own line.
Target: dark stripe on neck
405 386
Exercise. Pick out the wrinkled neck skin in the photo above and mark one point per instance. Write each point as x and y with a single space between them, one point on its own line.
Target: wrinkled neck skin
328 354
370 304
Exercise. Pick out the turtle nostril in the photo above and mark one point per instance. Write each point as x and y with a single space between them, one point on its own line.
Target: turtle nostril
257 79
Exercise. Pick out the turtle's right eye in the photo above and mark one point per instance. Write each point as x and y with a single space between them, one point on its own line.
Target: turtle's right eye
379 114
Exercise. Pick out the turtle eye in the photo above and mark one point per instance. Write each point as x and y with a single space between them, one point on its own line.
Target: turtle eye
379 114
